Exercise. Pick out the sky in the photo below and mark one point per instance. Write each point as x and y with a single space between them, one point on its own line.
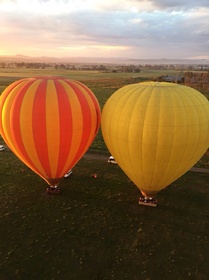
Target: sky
149 29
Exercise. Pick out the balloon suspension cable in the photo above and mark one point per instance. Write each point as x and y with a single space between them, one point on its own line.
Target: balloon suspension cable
148 201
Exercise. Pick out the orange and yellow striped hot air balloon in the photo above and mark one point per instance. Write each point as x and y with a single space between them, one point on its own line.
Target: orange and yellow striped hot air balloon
49 123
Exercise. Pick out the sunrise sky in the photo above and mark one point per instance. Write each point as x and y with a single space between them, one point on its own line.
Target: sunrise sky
105 28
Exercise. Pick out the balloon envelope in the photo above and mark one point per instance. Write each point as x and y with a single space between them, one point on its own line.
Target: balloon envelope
49 123
156 132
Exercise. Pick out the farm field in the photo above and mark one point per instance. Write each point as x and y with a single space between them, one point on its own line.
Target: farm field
9 75
95 229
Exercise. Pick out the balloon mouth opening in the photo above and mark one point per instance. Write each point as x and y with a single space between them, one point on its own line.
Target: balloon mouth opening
148 194
53 182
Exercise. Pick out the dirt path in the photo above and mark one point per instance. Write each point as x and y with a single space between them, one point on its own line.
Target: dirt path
102 156
198 169
105 158
96 156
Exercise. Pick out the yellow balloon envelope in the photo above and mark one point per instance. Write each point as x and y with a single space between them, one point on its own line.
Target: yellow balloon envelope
156 132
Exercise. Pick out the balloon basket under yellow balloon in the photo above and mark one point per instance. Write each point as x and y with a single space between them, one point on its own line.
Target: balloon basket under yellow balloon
147 201
53 190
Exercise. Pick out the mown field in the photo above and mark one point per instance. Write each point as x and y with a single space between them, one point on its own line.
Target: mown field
95 229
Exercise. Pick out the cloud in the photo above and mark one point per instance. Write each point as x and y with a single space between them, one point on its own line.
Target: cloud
177 5
93 27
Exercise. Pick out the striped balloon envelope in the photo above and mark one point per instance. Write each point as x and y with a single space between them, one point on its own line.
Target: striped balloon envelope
49 123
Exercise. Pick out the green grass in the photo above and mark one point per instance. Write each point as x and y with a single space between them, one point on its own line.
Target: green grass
9 75
95 229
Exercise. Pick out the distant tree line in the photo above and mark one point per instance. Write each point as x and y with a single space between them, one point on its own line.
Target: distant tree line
34 65
97 66
200 81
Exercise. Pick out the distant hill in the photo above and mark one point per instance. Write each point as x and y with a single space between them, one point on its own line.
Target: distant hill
104 60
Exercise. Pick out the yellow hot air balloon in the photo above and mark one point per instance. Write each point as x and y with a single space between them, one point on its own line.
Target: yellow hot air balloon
156 132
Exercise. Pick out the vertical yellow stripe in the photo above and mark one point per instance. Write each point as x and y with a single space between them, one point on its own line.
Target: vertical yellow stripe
52 126
6 112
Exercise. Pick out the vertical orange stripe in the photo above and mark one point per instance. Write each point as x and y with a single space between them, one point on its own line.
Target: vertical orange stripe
96 106
65 128
26 128
39 126
85 117
6 102
76 124
19 128
94 112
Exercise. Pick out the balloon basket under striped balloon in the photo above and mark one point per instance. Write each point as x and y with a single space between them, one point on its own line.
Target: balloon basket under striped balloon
53 190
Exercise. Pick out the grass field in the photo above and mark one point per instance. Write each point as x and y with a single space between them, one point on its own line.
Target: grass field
95 229
9 75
